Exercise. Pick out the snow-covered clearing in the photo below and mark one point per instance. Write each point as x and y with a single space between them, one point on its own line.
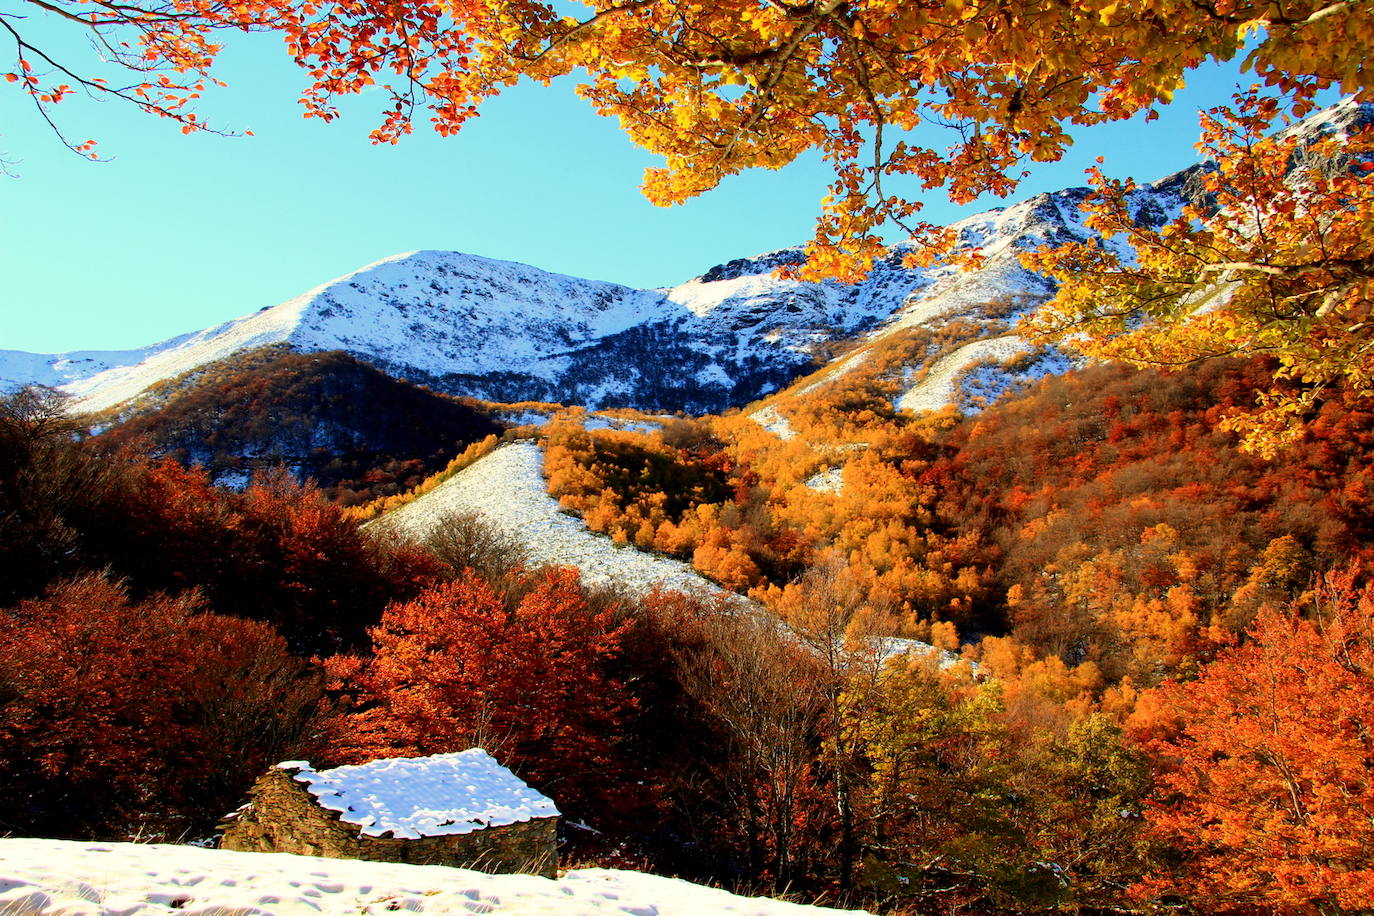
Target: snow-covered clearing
889 647
831 480
64 878
525 417
936 390
597 421
774 422
506 489
838 370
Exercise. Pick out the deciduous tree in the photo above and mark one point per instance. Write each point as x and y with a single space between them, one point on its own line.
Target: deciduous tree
524 676
1274 255
122 717
1266 783
719 87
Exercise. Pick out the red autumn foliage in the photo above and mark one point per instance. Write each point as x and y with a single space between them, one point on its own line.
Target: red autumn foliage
527 678
1265 764
1123 521
122 718
277 552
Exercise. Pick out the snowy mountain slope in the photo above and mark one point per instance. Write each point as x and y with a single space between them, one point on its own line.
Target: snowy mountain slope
986 301
420 315
52 877
936 389
508 332
18 368
506 489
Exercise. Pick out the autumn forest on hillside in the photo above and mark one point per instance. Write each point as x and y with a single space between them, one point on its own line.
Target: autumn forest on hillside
1157 644
1052 596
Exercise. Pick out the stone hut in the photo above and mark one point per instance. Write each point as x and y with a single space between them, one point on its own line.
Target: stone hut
463 810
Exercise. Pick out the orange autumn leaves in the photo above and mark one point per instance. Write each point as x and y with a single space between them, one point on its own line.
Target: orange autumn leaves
1266 763
524 675
1271 255
643 491
899 98
160 56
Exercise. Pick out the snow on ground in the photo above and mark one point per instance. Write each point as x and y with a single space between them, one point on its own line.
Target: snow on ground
506 488
774 422
525 417
1000 235
837 370
181 355
596 421
985 383
53 370
64 878
893 646
831 480
701 297
936 390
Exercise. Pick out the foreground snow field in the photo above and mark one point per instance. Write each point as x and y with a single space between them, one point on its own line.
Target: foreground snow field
62 878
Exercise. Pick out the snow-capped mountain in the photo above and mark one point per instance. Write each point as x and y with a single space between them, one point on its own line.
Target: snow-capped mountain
505 331
509 332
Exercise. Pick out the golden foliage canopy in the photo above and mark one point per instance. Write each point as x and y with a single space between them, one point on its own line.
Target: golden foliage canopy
719 86
1273 256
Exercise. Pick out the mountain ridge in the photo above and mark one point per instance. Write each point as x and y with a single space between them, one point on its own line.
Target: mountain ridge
504 331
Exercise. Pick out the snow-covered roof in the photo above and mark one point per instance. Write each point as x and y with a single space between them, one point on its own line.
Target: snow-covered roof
413 797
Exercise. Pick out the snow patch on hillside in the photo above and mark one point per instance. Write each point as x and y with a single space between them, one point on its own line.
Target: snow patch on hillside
18 369
831 480
64 878
988 381
506 489
774 422
890 647
837 370
620 423
936 390
524 417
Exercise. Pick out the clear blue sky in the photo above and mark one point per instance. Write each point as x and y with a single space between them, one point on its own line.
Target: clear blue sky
177 233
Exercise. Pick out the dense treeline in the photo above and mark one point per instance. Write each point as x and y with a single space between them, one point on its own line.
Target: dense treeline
1154 698
126 719
1126 527
1101 544
159 629
356 431
277 551
1106 516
